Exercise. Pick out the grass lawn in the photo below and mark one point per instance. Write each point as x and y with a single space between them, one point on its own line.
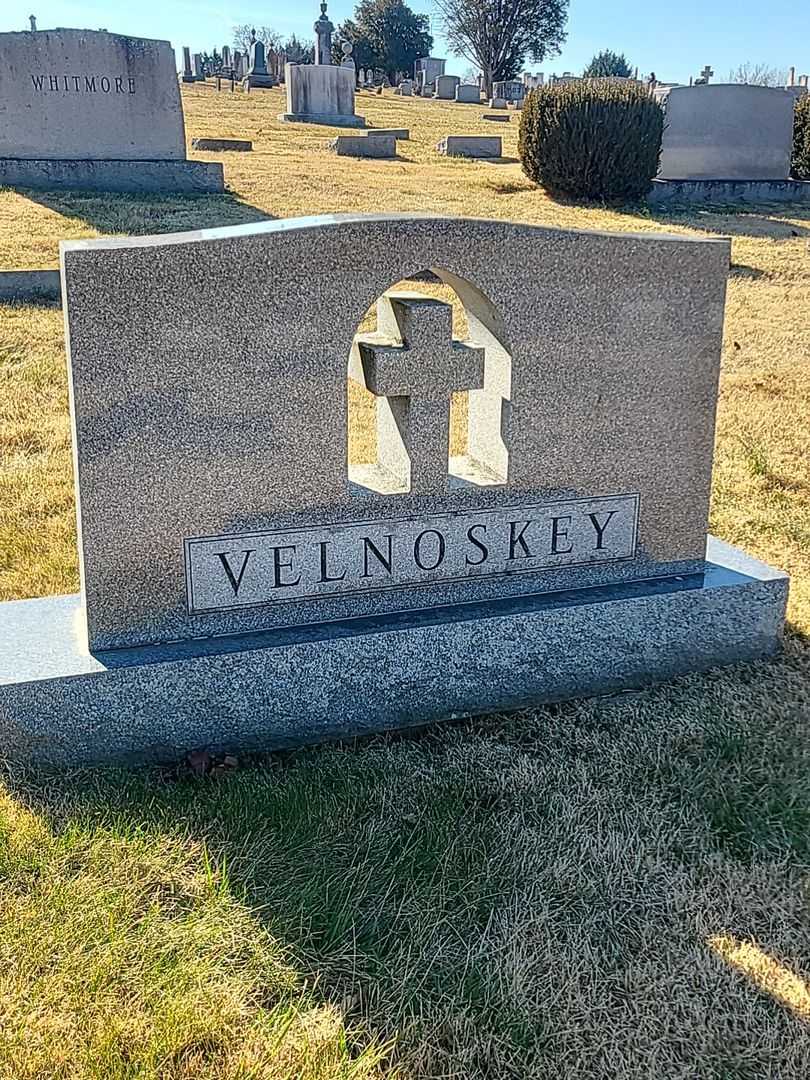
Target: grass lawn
611 888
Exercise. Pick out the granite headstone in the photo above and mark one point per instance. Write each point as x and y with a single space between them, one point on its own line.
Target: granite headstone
91 109
727 132
243 586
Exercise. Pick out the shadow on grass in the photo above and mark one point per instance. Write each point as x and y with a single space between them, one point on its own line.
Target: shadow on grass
454 884
743 270
140 215
776 223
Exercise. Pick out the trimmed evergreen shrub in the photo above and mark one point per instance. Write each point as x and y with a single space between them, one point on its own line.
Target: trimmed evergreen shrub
800 168
592 140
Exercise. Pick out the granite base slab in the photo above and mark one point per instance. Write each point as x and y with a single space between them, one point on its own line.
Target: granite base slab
60 705
327 119
142 177
729 192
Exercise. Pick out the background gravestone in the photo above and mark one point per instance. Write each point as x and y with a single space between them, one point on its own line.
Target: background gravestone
727 132
67 94
446 86
90 110
321 94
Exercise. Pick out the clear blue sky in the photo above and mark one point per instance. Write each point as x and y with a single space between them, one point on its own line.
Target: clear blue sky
674 40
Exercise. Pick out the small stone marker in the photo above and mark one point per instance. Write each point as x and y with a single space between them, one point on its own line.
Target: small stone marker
221 144
406 88
503 117
497 103
471 146
383 146
90 110
395 133
247 585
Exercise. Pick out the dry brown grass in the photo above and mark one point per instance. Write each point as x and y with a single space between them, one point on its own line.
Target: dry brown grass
612 888
761 491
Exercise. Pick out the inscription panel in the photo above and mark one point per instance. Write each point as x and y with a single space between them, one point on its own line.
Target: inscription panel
276 566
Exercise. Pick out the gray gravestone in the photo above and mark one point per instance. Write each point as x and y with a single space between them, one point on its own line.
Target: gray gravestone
727 132
446 87
321 94
258 77
511 90
85 108
244 587
468 93
521 323
188 74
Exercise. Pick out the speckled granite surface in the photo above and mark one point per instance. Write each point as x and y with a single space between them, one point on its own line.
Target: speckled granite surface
209 397
61 705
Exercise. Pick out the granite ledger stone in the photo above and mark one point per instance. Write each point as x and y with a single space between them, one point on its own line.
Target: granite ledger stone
246 582
90 110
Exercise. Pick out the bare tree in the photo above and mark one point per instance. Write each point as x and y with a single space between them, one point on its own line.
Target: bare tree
758 75
498 35
242 37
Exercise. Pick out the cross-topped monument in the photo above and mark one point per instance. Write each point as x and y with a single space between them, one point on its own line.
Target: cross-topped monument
707 73
414 362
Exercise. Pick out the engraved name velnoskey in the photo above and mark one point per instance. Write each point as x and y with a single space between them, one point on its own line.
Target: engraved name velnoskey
311 562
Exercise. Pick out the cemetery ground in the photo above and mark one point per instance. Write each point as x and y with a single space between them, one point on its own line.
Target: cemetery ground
616 887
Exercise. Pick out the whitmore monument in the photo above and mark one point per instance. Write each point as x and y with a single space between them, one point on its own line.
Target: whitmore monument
90 110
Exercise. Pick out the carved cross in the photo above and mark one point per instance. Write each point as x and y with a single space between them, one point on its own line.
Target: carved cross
414 362
707 73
